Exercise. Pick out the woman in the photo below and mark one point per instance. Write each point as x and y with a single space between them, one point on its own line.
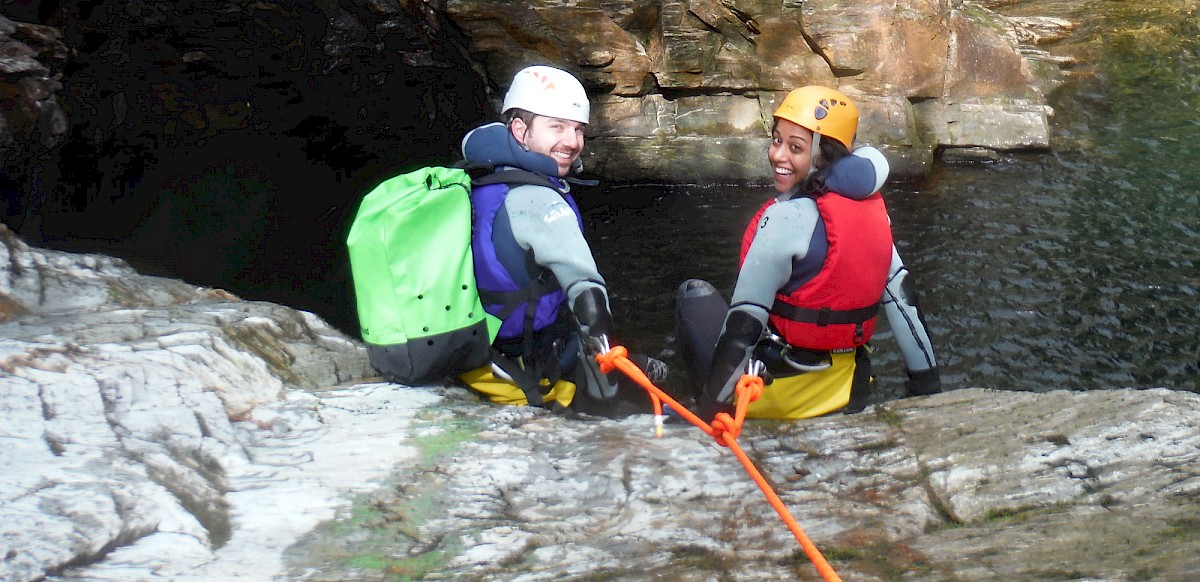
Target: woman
817 261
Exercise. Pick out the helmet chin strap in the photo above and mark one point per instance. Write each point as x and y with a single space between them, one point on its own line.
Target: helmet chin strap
816 151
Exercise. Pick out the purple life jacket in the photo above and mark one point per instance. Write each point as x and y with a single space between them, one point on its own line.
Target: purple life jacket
506 276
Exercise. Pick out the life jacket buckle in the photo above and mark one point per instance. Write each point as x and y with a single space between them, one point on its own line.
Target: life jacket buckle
823 316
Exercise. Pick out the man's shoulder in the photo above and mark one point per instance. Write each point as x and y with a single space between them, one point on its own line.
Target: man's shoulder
533 196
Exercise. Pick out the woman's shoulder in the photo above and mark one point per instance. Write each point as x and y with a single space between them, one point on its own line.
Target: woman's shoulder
792 212
798 205
858 175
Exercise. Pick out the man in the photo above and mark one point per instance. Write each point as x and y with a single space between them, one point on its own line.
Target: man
533 267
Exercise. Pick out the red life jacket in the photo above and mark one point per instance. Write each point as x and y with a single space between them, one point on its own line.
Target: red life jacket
838 308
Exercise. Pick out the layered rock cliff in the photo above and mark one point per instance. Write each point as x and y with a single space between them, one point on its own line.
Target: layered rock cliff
686 88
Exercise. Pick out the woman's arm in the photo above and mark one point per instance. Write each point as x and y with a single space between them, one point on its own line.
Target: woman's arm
908 327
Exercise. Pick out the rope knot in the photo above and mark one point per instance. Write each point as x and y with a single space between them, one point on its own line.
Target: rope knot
749 387
608 359
725 428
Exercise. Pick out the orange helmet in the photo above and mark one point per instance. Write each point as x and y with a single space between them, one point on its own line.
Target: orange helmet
822 110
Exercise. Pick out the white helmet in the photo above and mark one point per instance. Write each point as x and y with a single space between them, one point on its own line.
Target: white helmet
548 91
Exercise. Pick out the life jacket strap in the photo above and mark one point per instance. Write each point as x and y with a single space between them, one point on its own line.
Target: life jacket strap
545 365
525 379
511 300
825 315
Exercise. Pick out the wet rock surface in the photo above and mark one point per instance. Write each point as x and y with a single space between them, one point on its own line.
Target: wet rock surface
157 431
969 485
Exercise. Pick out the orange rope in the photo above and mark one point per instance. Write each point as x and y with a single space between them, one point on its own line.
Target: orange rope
725 430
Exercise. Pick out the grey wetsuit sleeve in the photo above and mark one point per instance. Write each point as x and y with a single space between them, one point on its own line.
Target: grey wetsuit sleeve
781 238
904 317
542 222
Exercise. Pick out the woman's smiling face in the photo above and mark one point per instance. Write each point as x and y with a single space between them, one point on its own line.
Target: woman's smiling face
789 154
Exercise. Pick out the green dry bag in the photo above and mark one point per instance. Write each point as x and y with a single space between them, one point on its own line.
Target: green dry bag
414 277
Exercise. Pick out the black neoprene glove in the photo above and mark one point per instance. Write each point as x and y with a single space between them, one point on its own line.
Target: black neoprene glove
733 350
592 315
923 383
595 321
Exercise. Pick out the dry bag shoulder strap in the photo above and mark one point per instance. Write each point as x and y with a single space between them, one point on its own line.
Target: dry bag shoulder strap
513 176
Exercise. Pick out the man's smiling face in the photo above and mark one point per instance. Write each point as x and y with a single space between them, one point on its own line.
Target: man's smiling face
561 139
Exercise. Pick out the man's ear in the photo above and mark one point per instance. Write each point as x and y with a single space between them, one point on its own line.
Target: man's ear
518 128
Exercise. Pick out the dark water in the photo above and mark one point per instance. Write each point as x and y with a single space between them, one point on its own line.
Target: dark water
1074 269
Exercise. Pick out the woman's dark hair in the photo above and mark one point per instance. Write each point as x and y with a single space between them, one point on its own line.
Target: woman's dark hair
832 150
